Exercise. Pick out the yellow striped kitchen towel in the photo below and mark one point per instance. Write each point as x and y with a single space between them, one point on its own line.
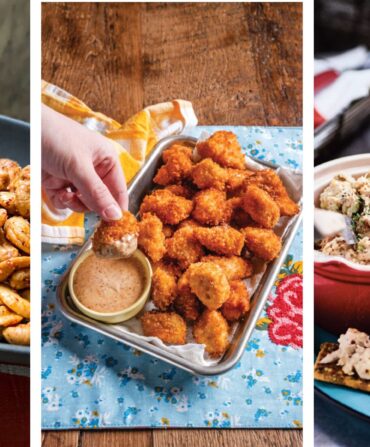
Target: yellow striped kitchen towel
133 141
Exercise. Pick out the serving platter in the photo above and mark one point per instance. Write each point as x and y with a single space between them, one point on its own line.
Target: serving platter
357 402
14 144
140 186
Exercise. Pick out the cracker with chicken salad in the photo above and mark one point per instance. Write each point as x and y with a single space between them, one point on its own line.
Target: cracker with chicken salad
346 363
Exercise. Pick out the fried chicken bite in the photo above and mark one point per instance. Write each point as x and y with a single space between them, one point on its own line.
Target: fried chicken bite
234 267
239 218
188 306
260 206
164 285
263 243
116 239
176 149
151 237
237 304
223 239
184 248
209 283
167 326
182 190
269 181
189 223
168 207
208 174
236 179
223 147
168 231
177 165
212 331
211 208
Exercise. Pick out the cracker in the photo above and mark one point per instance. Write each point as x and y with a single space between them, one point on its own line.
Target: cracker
332 373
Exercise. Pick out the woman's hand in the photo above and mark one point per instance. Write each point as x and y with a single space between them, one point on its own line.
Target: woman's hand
81 170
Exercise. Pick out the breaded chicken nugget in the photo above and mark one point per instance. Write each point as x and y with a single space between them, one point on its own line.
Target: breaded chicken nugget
237 304
208 174
168 326
170 209
223 147
223 240
181 190
176 149
210 207
212 331
264 244
188 306
151 237
189 223
236 179
240 218
234 267
164 285
177 166
168 231
209 283
184 248
117 238
261 207
268 180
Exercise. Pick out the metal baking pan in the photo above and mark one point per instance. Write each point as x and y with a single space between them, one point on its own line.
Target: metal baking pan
342 126
139 187
14 144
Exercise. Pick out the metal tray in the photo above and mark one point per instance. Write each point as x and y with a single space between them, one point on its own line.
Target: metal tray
139 187
14 144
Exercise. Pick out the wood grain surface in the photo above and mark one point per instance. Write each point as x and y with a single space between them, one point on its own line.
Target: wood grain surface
174 438
239 64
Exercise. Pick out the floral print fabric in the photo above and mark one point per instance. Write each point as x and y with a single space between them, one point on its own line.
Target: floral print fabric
91 381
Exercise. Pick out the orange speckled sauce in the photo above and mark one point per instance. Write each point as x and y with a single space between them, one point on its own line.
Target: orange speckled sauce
108 285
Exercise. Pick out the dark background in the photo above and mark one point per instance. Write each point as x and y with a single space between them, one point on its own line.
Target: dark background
341 25
15 58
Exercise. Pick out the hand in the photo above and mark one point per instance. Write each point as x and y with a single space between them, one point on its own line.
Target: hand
81 170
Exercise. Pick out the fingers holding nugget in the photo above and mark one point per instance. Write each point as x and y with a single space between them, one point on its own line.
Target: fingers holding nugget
116 238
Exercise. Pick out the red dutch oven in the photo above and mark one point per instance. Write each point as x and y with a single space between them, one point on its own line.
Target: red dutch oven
342 287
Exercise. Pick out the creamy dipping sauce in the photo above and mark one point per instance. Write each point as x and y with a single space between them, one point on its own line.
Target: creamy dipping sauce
109 285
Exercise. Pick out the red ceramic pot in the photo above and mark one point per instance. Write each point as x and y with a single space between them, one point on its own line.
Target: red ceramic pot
342 287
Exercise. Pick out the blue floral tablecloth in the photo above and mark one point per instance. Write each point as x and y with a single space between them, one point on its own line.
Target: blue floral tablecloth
91 381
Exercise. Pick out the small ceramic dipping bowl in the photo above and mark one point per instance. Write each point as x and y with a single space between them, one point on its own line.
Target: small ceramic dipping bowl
342 287
121 315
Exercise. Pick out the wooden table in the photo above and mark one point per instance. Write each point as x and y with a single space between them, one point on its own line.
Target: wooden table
239 64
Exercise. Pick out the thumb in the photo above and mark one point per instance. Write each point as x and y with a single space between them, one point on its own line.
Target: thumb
94 193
